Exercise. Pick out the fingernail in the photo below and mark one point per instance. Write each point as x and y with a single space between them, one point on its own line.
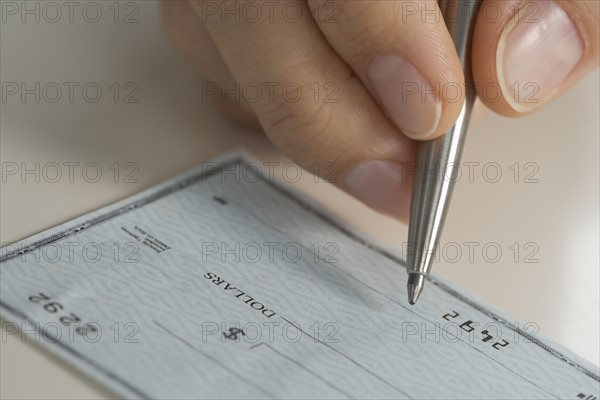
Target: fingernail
536 53
406 96
383 185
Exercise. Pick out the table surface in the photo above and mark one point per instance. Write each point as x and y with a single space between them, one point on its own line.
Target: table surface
172 129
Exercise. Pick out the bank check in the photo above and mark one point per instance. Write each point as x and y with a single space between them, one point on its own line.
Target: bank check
224 283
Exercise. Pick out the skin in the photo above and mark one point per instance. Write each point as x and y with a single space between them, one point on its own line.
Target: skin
356 128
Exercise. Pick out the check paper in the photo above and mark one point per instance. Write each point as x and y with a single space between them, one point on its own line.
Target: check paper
225 284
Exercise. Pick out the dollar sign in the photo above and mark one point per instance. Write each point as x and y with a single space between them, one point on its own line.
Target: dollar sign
233 333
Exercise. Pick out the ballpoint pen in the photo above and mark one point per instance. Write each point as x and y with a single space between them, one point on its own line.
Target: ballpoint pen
438 159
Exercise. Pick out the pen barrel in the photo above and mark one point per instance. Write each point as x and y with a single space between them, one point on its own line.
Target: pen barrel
438 160
460 17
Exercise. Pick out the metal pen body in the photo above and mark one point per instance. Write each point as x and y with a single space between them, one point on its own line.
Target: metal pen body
438 159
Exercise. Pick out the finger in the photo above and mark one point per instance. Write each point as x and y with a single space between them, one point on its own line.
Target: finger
402 52
318 112
189 36
526 53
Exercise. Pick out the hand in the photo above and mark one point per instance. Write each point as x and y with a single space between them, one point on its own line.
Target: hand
356 82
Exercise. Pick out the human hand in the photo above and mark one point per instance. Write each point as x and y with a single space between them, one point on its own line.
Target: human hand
356 83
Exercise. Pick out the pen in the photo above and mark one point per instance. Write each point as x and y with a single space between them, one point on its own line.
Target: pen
437 159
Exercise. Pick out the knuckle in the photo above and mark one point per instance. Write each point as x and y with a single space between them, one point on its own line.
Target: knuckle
372 24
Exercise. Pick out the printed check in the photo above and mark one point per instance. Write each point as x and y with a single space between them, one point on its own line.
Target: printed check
224 284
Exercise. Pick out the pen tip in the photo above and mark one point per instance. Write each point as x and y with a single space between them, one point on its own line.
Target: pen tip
415 287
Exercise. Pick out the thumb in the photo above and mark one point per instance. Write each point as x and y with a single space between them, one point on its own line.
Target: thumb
526 53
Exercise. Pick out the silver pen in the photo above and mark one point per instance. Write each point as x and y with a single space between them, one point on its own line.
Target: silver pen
437 159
